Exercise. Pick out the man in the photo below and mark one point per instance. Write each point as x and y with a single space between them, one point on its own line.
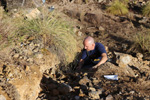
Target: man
93 55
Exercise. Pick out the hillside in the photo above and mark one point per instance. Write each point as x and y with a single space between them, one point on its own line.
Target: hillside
41 45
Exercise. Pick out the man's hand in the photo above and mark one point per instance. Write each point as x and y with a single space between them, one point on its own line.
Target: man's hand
94 67
80 64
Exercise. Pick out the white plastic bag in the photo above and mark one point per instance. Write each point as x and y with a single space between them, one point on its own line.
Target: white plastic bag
111 77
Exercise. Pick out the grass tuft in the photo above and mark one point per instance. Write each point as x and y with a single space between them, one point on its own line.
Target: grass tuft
118 8
146 10
143 40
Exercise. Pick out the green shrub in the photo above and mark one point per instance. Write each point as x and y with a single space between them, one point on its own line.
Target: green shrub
146 10
143 40
118 8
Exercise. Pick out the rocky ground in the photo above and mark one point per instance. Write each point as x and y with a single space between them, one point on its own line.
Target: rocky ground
26 73
132 84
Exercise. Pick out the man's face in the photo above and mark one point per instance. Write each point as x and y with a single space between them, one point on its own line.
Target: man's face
88 46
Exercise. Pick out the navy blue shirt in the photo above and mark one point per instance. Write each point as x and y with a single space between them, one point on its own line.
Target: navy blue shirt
93 56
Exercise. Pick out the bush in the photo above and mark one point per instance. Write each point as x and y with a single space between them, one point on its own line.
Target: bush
118 8
143 40
146 10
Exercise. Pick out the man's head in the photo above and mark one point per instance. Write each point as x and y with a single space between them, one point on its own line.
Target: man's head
89 43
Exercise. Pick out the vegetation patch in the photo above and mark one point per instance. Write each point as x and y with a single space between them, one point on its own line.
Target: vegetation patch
56 33
146 10
143 40
118 8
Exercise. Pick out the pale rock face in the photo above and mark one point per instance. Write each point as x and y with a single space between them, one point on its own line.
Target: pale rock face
27 87
123 59
34 13
2 97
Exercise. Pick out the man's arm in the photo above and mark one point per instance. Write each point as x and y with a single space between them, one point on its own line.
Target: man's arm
80 64
102 61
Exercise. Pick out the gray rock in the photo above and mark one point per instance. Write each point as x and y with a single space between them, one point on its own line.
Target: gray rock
79 33
34 13
132 92
67 86
144 20
16 56
84 80
109 97
139 55
101 28
100 91
99 1
94 95
92 89
123 59
64 89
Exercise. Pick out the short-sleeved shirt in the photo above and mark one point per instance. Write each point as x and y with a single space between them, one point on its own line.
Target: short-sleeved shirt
93 56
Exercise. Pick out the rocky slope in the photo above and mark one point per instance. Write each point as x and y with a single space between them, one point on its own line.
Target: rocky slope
26 73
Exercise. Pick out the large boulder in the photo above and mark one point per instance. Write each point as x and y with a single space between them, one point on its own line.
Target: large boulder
123 59
14 4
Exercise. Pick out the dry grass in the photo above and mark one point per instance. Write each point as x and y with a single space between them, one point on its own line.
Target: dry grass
118 8
7 29
143 40
146 10
1 12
